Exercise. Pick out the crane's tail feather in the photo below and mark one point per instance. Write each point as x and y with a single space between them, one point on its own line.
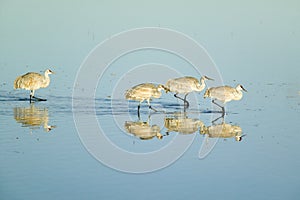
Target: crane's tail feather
16 83
127 94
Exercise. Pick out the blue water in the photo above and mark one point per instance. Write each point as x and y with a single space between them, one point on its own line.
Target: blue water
252 44
40 164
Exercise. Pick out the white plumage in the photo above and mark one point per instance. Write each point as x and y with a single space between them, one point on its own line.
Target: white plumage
33 81
143 130
225 94
142 92
223 130
186 85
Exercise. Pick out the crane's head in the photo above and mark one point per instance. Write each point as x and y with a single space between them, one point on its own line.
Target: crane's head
159 135
203 130
239 138
161 87
49 71
240 88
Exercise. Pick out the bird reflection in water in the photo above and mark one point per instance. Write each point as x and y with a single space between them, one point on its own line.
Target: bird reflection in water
179 122
143 130
33 117
223 130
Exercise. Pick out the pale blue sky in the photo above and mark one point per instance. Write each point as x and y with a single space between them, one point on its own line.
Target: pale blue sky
247 40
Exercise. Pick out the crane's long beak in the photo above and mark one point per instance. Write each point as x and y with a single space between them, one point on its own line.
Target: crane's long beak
244 89
209 78
239 138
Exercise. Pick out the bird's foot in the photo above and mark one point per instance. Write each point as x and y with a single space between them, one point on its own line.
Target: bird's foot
38 99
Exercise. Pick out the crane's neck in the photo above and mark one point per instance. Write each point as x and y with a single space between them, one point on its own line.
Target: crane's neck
200 124
46 80
46 75
202 84
239 93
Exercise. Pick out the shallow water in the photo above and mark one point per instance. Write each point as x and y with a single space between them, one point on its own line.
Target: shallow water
41 163
46 154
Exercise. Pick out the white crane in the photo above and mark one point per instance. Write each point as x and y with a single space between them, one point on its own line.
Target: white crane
33 117
143 130
142 92
33 81
223 130
182 124
186 85
225 94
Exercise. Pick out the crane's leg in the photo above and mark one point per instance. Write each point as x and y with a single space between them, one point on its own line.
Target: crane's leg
138 112
150 107
223 109
31 95
222 116
186 103
38 99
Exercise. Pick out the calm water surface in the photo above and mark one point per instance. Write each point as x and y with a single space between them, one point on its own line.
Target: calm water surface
38 163
254 43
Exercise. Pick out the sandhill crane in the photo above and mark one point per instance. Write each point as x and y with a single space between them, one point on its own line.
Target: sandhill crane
186 85
182 124
223 130
224 94
33 81
33 117
142 92
143 130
